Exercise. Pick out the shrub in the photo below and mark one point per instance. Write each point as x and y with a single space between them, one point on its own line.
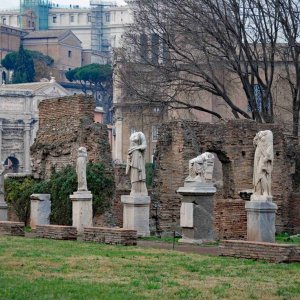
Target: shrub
18 193
61 185
149 174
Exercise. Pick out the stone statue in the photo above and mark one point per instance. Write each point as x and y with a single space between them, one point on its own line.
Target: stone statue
201 168
136 163
263 163
81 169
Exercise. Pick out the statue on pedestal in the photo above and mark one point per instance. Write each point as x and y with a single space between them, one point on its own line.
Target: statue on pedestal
263 163
136 163
201 168
81 169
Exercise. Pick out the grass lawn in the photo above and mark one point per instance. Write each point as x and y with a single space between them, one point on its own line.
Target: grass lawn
47 269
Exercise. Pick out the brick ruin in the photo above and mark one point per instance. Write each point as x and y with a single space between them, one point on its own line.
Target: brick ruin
232 142
65 124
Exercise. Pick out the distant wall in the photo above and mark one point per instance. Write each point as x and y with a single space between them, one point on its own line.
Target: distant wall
65 124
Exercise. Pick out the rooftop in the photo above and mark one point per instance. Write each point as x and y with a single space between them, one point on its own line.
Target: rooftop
54 33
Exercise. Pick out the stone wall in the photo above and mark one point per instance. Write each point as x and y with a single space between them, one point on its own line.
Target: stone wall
12 228
56 232
256 250
65 124
294 221
118 236
232 142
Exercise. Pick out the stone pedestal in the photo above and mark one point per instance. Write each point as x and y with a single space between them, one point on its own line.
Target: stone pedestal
40 209
261 217
196 213
136 213
82 209
3 209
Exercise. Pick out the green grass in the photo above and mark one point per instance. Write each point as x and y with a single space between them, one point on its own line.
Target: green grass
286 238
47 269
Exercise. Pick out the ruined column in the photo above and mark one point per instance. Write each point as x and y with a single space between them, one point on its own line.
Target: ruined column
3 205
27 167
1 129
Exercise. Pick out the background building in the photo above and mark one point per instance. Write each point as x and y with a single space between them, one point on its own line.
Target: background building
62 45
19 118
99 28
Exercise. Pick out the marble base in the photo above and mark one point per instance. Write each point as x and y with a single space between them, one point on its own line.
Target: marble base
40 209
3 211
82 210
196 213
261 217
136 213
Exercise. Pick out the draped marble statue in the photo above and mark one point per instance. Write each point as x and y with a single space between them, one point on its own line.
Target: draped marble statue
263 163
136 163
201 168
81 169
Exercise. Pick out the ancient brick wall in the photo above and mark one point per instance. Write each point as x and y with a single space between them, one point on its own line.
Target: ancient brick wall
232 142
116 236
66 124
258 250
294 220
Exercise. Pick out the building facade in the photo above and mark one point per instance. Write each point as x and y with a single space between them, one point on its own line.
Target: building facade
62 45
19 119
10 40
100 28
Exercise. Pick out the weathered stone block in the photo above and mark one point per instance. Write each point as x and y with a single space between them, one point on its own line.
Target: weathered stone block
198 198
40 209
261 217
136 213
82 210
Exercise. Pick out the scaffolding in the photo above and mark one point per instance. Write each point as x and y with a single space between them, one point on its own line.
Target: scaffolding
100 34
40 8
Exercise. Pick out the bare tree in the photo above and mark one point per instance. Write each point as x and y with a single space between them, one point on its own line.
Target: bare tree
183 47
289 52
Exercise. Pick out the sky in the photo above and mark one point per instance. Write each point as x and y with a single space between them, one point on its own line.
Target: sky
10 4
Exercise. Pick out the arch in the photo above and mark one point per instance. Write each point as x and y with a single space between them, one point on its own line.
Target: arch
12 164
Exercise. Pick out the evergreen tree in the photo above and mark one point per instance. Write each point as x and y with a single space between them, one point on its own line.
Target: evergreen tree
24 68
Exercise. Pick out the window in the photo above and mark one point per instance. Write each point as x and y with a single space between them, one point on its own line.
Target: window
107 17
71 19
54 19
258 94
154 133
155 48
4 21
156 110
144 46
69 53
89 18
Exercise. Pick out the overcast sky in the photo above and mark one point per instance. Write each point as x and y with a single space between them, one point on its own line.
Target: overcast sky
10 4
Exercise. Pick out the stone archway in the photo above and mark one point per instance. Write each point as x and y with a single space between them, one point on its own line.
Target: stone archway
12 164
